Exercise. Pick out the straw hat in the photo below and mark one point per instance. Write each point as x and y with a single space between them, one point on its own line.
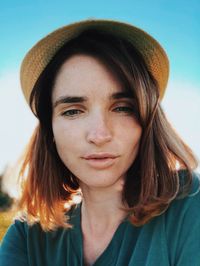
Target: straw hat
40 55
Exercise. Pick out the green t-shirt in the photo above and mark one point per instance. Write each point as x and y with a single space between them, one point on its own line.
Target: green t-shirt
171 239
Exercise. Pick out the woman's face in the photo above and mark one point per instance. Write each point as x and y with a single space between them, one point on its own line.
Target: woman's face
96 133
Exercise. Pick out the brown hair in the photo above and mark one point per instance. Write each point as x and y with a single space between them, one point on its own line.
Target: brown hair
152 181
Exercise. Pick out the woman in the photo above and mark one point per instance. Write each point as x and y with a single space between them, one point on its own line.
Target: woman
95 87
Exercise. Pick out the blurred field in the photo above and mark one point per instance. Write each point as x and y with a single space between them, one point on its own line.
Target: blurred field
5 220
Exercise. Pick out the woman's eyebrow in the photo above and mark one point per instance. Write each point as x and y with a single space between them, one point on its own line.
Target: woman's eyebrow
120 95
81 99
70 99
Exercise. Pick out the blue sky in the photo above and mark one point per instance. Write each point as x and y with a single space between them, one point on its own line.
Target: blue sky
174 23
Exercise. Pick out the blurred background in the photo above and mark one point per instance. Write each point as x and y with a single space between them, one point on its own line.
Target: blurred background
175 24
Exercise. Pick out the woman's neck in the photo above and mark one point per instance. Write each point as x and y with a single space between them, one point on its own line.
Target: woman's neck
101 213
102 209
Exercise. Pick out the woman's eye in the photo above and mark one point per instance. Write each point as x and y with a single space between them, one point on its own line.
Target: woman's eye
71 112
126 109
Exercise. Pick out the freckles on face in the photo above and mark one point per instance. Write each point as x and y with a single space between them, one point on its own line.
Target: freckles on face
96 133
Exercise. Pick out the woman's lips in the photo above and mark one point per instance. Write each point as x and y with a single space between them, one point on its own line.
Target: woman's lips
101 160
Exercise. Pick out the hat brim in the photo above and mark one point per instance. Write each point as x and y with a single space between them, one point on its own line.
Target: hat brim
40 55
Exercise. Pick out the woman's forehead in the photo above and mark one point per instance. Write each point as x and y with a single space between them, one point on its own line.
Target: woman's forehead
83 76
86 66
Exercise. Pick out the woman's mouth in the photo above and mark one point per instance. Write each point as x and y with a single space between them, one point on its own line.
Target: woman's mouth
100 160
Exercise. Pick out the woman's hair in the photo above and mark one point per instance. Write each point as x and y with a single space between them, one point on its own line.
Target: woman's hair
153 179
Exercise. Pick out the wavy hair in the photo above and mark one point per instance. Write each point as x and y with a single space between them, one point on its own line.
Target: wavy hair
152 181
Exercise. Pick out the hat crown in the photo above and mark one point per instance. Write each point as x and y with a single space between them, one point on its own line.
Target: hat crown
40 55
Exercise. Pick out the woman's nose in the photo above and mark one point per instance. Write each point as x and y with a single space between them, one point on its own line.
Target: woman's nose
99 131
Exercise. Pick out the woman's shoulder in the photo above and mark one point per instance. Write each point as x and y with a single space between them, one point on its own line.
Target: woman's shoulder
22 232
24 241
192 196
182 218
195 182
188 202
22 227
182 225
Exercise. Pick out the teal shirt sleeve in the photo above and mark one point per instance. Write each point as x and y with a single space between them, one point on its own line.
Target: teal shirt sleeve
183 228
13 250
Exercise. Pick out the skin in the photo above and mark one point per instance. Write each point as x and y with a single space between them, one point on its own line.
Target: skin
98 124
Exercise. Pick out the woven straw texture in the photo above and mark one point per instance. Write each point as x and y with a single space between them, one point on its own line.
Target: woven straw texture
40 55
